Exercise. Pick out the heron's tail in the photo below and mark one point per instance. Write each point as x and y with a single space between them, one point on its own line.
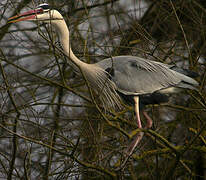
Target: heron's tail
186 72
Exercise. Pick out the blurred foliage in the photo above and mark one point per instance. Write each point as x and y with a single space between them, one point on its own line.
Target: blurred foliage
49 129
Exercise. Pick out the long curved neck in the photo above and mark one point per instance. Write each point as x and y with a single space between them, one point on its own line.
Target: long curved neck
96 76
63 33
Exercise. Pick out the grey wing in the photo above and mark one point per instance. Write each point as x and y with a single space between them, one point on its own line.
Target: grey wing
134 75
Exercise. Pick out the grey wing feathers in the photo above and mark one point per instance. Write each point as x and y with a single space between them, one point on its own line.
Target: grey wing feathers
133 75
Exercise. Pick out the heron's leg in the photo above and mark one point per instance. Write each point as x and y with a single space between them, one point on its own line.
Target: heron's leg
149 120
136 102
139 135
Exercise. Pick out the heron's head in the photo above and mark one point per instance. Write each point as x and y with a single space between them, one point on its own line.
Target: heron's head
41 13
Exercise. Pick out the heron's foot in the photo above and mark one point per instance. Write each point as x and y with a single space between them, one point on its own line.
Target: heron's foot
127 154
134 143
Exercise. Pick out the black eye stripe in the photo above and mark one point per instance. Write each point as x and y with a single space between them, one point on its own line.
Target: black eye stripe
44 6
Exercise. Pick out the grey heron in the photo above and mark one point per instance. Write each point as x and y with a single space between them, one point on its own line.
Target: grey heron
122 78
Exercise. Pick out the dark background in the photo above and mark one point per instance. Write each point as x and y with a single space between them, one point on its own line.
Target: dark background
48 129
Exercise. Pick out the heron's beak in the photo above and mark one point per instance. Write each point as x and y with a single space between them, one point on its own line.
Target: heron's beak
29 15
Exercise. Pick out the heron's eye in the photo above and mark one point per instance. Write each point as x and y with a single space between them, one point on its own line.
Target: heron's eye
40 11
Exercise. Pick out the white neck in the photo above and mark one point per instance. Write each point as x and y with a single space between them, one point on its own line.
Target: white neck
63 33
96 76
